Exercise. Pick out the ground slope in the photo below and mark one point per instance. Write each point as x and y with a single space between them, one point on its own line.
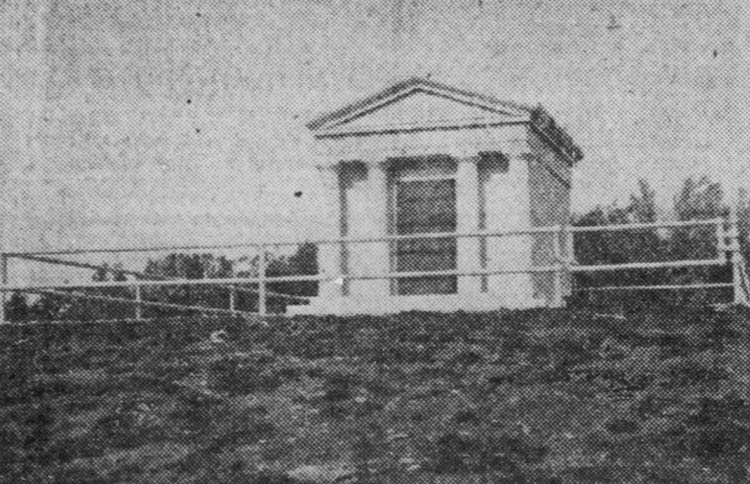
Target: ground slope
542 396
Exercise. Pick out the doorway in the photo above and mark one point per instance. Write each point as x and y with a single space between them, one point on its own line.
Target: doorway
423 205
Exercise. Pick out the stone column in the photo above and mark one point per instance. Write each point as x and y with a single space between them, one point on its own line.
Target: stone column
372 257
468 214
330 254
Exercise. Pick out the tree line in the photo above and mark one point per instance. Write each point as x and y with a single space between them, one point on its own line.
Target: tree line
56 306
698 199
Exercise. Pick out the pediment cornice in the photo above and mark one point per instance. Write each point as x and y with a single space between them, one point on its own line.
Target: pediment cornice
419 105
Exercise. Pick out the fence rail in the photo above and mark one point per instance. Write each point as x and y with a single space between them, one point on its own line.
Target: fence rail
727 253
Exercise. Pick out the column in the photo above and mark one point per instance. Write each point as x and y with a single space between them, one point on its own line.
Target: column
379 257
468 217
3 295
508 209
329 254
484 174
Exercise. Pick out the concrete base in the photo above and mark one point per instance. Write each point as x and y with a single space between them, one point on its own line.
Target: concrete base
395 304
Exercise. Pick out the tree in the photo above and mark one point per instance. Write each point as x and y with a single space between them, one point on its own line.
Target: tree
208 266
699 199
51 306
620 247
17 307
186 266
99 309
643 245
643 205
303 262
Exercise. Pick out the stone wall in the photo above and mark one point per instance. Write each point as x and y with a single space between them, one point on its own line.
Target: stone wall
549 191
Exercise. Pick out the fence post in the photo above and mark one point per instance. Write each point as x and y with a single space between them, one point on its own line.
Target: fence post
233 299
721 241
570 253
567 245
739 281
4 280
262 279
559 275
739 296
138 305
484 285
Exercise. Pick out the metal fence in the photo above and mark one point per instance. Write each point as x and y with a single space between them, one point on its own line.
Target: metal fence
259 283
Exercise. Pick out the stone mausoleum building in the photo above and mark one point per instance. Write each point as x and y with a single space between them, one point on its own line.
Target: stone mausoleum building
425 158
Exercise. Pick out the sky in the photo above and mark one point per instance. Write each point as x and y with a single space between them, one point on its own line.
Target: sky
141 122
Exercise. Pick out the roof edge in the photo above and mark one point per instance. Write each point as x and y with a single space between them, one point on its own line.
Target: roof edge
544 123
539 119
404 87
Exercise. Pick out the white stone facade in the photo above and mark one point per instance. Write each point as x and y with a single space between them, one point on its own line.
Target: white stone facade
509 168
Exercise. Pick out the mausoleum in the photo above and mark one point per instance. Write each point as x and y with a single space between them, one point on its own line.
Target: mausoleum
421 158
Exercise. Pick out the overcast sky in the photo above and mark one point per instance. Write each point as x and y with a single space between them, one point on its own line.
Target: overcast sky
181 120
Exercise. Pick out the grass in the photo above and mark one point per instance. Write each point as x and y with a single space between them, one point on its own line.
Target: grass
540 396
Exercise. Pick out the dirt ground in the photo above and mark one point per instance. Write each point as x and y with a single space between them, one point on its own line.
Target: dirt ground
542 396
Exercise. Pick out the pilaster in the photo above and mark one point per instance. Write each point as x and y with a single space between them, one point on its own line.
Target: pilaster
330 255
371 257
469 253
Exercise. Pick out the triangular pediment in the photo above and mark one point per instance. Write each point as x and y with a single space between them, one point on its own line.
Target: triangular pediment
415 105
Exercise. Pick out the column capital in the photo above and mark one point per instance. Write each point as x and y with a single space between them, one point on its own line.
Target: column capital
468 158
380 162
328 167
373 160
